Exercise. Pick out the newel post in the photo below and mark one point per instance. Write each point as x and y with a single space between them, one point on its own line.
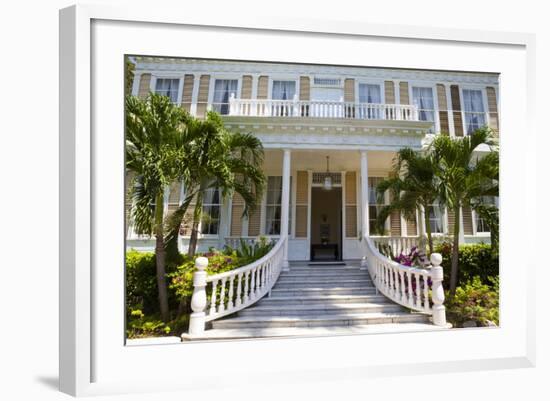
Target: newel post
438 295
197 319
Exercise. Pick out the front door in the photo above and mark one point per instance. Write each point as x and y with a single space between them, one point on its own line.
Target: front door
326 224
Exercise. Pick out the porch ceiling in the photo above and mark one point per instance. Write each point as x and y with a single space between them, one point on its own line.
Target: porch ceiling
315 160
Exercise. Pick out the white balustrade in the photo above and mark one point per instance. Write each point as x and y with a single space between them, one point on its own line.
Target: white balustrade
398 245
321 109
406 285
253 281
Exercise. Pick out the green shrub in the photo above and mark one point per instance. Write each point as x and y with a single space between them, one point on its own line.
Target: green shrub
474 260
141 282
474 301
141 326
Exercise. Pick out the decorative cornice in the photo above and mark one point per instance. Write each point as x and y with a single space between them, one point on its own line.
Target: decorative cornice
168 66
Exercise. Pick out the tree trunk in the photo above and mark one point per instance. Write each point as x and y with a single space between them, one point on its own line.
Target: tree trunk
160 256
454 256
197 215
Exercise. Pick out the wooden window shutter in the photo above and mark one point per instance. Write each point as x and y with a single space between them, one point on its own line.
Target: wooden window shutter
457 110
467 220
263 82
351 205
493 108
144 85
187 95
349 90
305 88
389 92
302 200
450 221
246 90
202 101
404 93
237 209
442 105
395 216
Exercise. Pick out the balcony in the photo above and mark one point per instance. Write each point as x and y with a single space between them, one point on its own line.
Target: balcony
319 109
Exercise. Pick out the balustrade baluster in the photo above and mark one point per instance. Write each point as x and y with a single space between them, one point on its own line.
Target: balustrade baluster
418 290
238 298
230 293
257 287
409 281
246 287
213 298
221 307
403 287
426 298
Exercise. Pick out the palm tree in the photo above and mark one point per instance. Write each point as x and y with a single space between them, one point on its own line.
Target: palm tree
153 152
465 179
231 162
413 187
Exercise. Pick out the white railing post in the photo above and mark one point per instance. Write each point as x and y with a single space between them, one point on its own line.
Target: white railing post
438 295
197 319
232 108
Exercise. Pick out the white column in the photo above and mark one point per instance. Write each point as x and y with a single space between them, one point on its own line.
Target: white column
135 83
364 200
285 198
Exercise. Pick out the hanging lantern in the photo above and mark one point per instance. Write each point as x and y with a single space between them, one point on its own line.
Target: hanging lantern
327 184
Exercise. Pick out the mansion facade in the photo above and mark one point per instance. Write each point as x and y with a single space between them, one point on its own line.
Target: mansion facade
330 134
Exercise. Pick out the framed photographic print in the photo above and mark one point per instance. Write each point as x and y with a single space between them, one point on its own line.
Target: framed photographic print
287 196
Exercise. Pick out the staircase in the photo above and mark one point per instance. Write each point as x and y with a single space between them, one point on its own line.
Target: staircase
317 300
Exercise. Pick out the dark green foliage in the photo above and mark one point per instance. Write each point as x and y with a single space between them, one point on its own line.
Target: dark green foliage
473 260
474 301
141 283
251 252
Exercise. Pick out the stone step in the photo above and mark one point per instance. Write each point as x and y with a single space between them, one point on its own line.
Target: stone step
319 309
232 334
349 319
312 283
321 275
323 291
300 299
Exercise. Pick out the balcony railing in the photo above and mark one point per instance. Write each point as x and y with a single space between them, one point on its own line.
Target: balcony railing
321 109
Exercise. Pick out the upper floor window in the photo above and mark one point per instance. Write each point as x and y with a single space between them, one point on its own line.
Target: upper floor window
423 99
283 90
223 88
474 110
372 94
168 87
210 221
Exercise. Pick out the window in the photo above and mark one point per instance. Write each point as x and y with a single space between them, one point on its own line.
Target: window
374 206
168 87
370 93
423 99
223 88
274 195
436 214
481 225
283 90
474 111
210 221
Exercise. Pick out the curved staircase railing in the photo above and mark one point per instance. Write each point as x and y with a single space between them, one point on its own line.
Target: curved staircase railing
418 289
233 290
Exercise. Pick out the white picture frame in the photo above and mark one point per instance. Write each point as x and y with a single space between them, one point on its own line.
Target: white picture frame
93 357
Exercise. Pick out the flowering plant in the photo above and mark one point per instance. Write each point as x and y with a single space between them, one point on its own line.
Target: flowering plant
410 259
